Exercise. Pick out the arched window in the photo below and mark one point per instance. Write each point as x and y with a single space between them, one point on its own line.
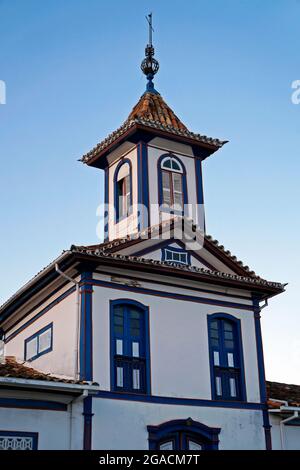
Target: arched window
226 357
123 189
130 369
172 184
183 434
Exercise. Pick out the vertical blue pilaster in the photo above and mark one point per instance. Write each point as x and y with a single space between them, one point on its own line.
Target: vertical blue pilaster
200 193
106 201
261 374
143 185
87 429
86 328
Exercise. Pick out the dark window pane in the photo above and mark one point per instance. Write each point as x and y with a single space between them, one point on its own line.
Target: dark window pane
119 320
135 314
228 335
135 324
167 163
229 344
228 326
175 165
215 343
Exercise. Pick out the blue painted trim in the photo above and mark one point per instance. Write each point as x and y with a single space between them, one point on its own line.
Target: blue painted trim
145 310
180 401
184 184
261 372
116 200
37 335
88 421
32 404
209 437
189 298
33 435
40 314
106 202
86 328
143 185
199 189
175 250
239 352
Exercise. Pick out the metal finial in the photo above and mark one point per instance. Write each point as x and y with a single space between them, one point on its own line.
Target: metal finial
150 65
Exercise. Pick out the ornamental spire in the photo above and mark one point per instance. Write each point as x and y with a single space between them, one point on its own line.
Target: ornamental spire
150 65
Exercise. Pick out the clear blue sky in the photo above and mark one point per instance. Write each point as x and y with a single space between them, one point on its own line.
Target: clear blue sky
72 71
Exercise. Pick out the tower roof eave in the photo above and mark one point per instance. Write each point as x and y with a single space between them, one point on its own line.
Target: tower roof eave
96 157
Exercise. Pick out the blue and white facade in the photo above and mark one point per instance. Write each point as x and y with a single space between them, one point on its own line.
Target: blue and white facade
171 334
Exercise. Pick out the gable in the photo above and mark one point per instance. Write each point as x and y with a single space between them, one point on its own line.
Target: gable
156 250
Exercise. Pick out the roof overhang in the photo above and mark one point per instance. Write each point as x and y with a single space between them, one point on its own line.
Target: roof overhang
140 132
48 386
80 259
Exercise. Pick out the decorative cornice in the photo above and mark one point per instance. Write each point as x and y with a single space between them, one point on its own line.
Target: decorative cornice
102 253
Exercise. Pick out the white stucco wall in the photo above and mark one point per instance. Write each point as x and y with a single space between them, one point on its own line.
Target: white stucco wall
53 427
178 342
61 360
121 424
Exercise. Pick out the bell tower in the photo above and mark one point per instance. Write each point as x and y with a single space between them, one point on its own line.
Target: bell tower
152 164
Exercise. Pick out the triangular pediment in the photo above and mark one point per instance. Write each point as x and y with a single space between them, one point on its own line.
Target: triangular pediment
157 242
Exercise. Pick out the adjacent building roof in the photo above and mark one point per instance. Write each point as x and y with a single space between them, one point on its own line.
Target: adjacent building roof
10 367
285 392
152 113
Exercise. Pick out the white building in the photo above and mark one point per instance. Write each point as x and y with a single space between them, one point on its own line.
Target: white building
165 320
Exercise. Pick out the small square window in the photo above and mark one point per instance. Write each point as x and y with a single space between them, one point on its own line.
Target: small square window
39 343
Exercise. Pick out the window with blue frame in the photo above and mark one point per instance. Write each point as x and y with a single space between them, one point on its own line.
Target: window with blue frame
226 356
129 347
38 344
123 190
183 435
172 184
176 255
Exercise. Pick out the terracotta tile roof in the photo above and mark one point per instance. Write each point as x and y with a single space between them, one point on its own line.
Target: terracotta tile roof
14 369
152 112
152 106
285 392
